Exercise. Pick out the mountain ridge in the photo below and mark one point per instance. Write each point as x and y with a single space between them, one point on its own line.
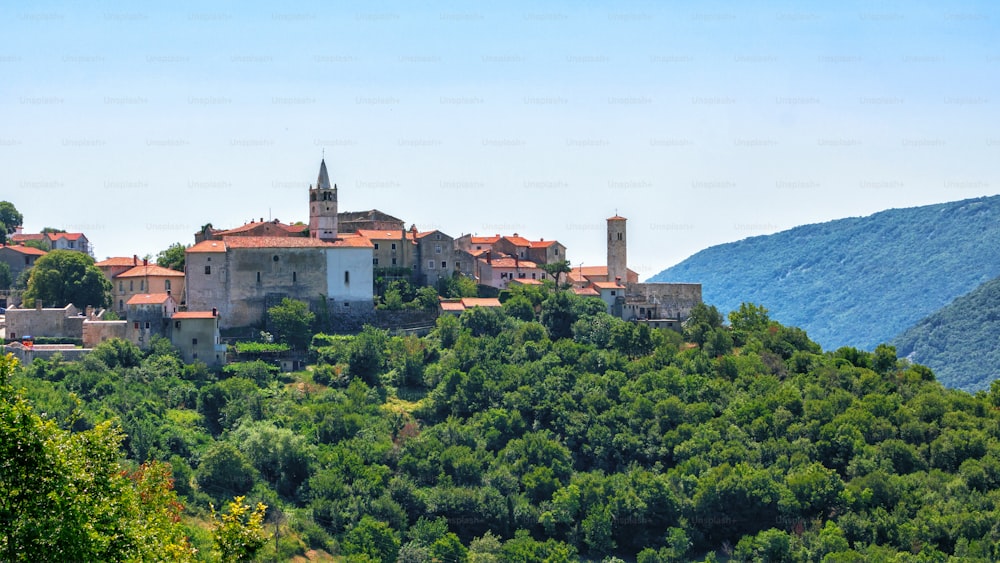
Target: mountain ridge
856 281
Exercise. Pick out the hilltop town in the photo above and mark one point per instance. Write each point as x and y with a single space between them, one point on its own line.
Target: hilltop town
339 263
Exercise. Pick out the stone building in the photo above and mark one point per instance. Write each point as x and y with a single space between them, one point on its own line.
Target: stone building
664 305
143 279
196 335
241 276
55 241
19 258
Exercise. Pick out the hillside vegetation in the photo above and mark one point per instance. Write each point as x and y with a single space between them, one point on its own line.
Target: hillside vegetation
859 281
959 342
549 430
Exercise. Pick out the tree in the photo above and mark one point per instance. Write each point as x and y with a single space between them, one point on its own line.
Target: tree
373 538
172 257
457 286
64 496
366 354
6 279
239 532
10 218
556 269
66 276
291 322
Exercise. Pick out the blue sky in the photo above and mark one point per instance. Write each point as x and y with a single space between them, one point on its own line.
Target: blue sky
702 123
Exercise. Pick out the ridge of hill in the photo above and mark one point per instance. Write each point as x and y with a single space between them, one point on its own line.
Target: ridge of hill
857 281
959 341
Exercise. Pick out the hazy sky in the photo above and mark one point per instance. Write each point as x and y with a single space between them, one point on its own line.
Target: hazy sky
702 122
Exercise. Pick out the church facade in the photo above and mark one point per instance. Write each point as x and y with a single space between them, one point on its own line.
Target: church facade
243 275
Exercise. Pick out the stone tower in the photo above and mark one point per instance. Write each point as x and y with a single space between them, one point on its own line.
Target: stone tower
617 258
323 206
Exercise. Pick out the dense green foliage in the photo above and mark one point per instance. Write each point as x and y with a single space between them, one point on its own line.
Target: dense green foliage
10 218
858 281
959 342
173 257
291 322
569 435
66 276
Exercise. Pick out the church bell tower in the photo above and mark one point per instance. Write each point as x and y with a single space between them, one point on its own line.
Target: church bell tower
323 206
617 250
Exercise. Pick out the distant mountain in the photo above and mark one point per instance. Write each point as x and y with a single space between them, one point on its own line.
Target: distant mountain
858 281
959 342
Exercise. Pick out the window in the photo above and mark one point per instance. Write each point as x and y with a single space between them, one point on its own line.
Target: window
376 246
295 277
27 261
394 246
347 277
166 285
613 293
532 275
375 261
393 261
147 325
121 305
208 270
135 325
430 264
458 265
194 356
619 236
437 249
194 341
121 286
258 277
177 324
557 251
131 285
444 264
142 285
72 244
275 258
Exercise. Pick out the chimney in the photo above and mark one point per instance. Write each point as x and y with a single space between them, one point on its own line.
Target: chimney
215 312
489 257
145 262
135 260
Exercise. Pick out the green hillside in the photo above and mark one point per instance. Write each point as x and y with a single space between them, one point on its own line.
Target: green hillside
960 341
857 281
545 431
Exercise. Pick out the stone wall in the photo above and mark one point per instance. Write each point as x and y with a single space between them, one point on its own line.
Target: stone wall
50 322
95 332
668 300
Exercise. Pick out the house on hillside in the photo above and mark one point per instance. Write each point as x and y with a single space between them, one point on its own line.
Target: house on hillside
19 258
55 241
143 279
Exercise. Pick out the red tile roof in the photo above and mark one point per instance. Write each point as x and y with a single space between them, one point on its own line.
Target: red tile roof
452 306
617 218
208 246
22 237
608 285
194 315
352 241
526 281
518 241
511 263
67 236
257 224
480 302
31 250
586 291
484 240
274 242
384 234
118 261
150 270
149 299
542 243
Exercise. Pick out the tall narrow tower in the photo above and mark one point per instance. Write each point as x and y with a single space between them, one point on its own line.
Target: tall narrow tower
617 259
323 206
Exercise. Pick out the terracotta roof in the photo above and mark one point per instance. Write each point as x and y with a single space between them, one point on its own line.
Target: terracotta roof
511 263
149 299
452 306
26 249
208 246
118 261
484 240
150 270
518 241
617 218
526 281
383 234
255 224
352 241
608 285
21 237
194 315
542 243
480 302
425 233
67 236
274 242
586 291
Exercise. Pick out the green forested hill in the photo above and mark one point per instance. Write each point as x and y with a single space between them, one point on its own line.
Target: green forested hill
858 281
960 342
550 431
